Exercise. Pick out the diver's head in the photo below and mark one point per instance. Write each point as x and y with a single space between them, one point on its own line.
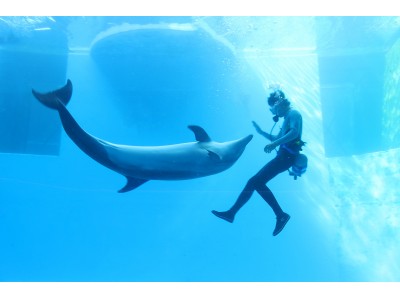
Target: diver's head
278 103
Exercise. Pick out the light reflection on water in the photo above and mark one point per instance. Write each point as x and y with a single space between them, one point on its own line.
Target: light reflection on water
365 191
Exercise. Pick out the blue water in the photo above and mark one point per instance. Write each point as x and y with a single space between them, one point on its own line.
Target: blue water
141 81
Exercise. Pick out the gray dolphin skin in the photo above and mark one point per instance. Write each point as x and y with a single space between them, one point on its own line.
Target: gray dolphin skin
140 164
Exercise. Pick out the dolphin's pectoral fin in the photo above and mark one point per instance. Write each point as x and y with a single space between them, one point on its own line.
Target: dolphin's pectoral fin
199 133
213 155
132 184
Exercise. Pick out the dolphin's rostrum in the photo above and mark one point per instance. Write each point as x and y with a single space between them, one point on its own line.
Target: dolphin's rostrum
140 164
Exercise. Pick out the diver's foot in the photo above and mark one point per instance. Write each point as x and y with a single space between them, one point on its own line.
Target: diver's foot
280 223
224 215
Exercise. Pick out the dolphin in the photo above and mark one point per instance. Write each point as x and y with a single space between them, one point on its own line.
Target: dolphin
140 164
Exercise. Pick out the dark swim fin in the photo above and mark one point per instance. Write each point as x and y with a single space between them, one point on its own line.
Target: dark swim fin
132 184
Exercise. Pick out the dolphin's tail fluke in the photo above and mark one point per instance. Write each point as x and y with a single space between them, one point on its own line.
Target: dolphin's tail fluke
52 99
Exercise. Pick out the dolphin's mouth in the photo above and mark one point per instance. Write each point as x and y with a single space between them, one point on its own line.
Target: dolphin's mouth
242 143
247 139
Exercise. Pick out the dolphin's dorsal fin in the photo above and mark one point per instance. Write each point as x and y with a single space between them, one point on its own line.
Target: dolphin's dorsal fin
132 184
199 133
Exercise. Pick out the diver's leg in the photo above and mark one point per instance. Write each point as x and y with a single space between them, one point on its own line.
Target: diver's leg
278 165
281 217
244 196
269 197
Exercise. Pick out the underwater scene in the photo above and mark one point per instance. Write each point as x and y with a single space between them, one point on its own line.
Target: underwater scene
127 142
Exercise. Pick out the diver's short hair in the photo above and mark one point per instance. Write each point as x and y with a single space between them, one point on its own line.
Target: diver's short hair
277 96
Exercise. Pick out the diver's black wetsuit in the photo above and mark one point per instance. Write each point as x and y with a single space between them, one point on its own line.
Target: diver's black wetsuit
290 143
284 159
282 162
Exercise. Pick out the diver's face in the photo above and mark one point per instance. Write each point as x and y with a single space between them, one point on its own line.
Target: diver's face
281 110
276 108
272 109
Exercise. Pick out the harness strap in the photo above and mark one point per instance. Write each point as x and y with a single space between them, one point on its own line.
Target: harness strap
289 150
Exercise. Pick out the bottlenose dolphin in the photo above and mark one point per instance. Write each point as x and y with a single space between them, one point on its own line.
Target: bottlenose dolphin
140 164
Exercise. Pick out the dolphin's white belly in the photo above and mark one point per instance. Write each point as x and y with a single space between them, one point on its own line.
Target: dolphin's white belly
181 161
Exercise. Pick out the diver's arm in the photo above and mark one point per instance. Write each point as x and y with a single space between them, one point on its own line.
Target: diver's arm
289 136
263 133
295 122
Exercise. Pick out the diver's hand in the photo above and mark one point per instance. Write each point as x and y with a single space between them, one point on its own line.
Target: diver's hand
258 129
263 133
270 147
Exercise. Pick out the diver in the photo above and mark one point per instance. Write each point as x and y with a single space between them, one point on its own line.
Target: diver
289 141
